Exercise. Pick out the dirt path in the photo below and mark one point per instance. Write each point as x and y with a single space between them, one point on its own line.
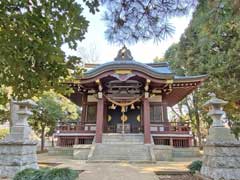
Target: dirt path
116 171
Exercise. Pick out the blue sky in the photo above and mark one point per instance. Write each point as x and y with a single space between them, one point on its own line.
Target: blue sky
142 52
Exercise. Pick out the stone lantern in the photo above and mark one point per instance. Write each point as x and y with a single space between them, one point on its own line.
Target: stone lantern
18 150
215 110
222 150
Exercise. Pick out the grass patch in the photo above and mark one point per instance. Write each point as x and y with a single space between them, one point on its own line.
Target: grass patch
47 174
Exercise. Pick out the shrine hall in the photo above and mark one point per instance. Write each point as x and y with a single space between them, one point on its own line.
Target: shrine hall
127 97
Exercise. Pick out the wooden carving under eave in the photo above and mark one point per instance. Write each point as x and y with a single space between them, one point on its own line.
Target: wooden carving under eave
123 71
138 118
122 77
124 118
109 118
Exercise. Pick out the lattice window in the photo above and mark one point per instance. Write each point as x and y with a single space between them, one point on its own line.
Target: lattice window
91 113
161 141
85 140
180 143
155 113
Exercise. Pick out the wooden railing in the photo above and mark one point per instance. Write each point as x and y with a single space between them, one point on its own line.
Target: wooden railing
176 142
69 141
132 129
76 128
160 128
170 128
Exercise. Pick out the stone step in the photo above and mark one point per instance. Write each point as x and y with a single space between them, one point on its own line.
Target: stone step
121 152
122 139
122 161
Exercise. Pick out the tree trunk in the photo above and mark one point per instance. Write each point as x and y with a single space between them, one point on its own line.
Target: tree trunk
191 121
194 139
198 123
42 138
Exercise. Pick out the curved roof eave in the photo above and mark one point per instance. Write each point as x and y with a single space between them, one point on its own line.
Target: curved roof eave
190 78
129 65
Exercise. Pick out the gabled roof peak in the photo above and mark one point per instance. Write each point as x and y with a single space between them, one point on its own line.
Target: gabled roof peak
124 54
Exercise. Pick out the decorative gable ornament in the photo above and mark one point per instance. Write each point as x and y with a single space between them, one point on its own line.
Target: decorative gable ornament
124 54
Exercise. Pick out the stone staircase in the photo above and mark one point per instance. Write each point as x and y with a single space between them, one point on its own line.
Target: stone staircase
118 147
122 139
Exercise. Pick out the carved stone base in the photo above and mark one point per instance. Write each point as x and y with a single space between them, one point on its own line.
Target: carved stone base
15 157
221 158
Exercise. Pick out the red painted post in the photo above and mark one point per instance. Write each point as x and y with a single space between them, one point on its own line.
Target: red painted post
190 142
76 140
146 119
84 108
171 141
99 123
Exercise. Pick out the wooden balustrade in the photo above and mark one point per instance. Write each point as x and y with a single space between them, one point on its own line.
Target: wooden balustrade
113 129
176 142
76 128
170 128
160 128
69 141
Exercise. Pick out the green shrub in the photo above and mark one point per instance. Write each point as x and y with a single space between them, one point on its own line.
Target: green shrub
61 174
25 174
39 174
47 174
3 133
195 166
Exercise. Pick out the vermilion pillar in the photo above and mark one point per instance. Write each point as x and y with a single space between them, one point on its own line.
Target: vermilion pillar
84 108
99 123
146 118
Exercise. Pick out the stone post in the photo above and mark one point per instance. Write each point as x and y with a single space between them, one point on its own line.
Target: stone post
17 150
14 116
221 159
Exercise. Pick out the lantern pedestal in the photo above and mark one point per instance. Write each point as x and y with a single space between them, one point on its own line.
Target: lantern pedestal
17 150
221 158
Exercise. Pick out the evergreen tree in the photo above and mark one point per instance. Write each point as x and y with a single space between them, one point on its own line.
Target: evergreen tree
211 45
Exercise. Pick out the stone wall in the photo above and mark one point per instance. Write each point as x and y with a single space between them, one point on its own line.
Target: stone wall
81 151
60 151
168 153
186 152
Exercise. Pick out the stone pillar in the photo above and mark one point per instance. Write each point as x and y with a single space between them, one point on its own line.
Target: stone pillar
13 113
99 123
222 151
146 119
17 150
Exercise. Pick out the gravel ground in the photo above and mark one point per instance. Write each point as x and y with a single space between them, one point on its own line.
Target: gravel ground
176 177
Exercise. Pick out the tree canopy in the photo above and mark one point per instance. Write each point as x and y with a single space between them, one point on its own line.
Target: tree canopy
31 36
211 45
140 20
52 107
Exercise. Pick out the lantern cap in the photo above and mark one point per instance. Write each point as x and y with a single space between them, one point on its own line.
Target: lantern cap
214 101
28 103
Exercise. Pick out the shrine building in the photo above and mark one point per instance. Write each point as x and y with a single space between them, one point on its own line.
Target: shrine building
127 97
